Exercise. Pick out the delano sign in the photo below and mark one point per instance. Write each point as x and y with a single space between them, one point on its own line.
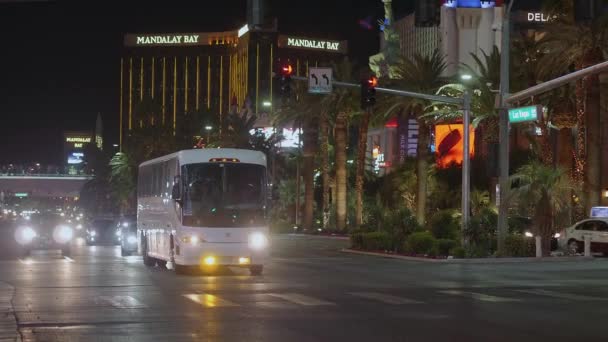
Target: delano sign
142 40
336 46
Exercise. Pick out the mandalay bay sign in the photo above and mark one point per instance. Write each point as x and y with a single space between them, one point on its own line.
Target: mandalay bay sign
164 39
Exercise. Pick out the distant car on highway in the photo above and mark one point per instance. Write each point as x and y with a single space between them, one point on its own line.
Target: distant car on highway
572 239
102 231
44 231
127 226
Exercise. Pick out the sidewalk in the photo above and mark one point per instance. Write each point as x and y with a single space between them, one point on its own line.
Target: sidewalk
9 330
472 260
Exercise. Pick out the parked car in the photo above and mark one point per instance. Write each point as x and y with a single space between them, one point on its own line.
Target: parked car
102 231
572 238
128 235
44 231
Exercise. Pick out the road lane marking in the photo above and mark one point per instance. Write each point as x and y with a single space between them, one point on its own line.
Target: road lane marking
209 301
300 299
385 298
561 295
480 296
68 259
123 302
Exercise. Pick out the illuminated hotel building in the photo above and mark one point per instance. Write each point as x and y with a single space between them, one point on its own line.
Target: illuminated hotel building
211 71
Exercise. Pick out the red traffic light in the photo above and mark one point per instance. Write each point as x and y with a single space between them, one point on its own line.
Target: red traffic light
286 70
372 82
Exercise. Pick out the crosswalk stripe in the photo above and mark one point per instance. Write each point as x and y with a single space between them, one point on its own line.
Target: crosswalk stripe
561 295
300 299
480 296
210 301
384 298
123 302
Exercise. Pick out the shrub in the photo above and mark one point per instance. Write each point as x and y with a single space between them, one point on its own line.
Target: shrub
458 252
376 241
420 243
356 240
399 224
443 225
444 246
481 233
517 245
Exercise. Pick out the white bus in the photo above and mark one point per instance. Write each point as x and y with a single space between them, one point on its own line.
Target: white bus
204 207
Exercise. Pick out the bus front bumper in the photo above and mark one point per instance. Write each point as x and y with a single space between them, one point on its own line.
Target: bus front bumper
219 254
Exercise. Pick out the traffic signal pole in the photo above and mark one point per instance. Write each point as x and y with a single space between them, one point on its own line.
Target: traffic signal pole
503 132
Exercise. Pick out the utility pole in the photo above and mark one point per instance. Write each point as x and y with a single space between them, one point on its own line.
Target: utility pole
503 134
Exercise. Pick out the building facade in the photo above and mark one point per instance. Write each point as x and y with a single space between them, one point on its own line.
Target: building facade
178 73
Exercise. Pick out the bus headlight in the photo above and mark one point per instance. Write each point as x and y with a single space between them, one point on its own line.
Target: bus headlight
258 241
63 234
209 261
132 239
193 240
25 235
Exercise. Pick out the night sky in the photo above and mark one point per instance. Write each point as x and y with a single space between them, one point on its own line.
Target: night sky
59 61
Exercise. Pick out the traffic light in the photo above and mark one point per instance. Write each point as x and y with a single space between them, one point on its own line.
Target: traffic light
368 92
286 71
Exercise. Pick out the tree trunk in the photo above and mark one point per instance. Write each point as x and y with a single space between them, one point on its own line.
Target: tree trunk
340 138
359 177
579 157
543 219
565 150
308 173
593 157
324 135
546 153
422 171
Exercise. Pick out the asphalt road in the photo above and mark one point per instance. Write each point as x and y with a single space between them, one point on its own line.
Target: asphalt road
309 292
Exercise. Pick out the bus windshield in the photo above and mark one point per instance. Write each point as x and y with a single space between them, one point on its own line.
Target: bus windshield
224 195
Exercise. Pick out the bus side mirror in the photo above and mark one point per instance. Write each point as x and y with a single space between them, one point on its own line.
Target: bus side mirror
176 193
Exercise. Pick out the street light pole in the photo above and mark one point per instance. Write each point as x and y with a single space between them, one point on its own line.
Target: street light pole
466 163
503 134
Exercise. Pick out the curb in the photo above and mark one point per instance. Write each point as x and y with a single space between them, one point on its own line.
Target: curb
331 237
473 260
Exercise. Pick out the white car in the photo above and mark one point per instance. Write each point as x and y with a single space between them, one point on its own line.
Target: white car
572 238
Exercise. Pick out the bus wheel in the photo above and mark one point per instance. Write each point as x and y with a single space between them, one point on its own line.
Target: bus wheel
161 263
148 261
256 270
180 269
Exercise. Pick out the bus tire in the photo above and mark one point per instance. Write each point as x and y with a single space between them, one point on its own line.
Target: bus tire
256 270
148 260
161 263
180 269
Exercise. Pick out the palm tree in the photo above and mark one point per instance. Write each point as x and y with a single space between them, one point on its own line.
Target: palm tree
422 74
303 110
342 103
546 191
570 44
122 179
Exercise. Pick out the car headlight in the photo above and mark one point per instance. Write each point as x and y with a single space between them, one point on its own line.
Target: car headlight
258 241
132 239
79 226
557 235
528 234
118 233
63 234
93 233
25 235
125 224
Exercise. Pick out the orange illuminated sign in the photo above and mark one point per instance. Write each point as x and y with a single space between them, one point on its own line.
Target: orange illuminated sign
449 144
